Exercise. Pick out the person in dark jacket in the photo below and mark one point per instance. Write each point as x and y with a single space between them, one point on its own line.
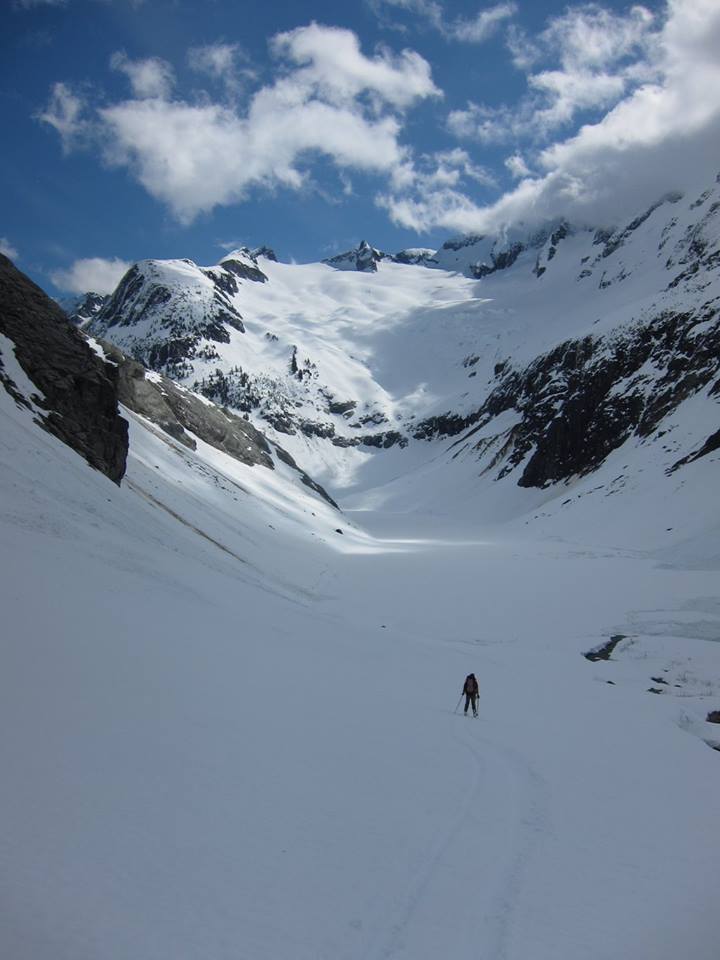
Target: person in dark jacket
472 693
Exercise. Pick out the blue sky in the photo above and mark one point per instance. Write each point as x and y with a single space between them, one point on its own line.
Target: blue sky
171 128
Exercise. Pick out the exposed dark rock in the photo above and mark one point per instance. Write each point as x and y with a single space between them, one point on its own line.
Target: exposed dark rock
713 716
77 390
571 414
314 428
372 418
341 407
459 243
500 261
383 441
307 480
184 416
364 258
264 251
604 652
711 444
81 310
178 412
445 425
244 270
420 257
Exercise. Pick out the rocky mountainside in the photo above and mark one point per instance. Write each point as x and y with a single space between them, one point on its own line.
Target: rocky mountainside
74 384
190 418
534 356
366 258
81 310
72 391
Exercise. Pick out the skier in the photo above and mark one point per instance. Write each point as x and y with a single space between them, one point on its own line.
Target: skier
472 692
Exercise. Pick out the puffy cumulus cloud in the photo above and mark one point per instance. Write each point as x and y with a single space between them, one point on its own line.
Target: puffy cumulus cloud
329 99
332 65
598 56
92 275
197 157
8 249
480 28
152 77
661 137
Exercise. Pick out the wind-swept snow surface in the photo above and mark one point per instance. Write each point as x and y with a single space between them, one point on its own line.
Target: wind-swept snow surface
227 729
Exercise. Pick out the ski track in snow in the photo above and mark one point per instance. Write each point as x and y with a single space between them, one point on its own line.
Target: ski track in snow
504 781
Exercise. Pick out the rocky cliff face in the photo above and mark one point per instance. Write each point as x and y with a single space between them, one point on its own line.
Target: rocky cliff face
81 310
77 393
186 416
561 416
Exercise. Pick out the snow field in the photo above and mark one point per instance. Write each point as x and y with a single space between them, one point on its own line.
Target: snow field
226 730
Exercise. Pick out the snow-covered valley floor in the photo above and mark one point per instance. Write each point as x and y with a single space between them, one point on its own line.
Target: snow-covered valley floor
241 744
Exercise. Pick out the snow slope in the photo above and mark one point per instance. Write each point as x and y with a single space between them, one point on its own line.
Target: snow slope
227 730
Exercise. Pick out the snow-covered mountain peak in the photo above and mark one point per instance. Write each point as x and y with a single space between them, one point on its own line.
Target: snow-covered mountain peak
364 258
512 341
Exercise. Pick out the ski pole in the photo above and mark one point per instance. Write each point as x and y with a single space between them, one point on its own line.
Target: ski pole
458 704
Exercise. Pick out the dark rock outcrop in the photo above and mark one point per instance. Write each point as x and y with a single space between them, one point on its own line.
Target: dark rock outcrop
605 651
81 310
364 258
584 399
179 412
77 391
240 266
184 415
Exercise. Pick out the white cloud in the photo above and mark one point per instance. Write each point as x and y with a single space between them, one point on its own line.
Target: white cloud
330 100
662 136
331 63
64 112
8 249
480 28
92 275
148 78
517 166
599 56
475 29
197 157
423 190
222 62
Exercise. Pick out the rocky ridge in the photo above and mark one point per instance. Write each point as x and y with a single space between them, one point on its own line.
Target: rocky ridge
187 417
77 392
